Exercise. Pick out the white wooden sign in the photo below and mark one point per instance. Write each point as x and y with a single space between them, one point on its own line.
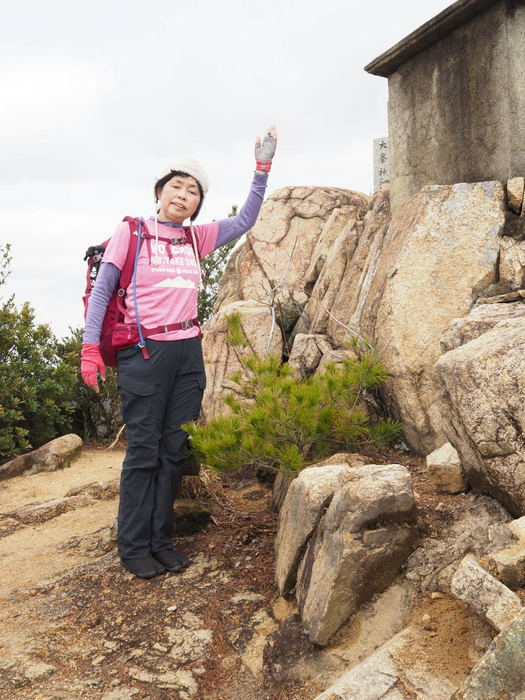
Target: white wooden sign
380 161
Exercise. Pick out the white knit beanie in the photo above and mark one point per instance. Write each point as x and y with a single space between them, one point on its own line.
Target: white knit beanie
194 168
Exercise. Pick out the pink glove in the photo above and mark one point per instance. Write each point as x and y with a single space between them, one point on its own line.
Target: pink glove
90 363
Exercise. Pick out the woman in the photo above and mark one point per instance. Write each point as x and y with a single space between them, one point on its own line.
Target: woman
161 384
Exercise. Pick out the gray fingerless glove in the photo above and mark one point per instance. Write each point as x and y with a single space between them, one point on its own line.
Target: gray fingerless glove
265 151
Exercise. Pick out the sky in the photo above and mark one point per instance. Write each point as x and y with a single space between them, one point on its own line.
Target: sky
99 97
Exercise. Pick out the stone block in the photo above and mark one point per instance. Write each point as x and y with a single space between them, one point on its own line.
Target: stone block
517 527
56 454
446 472
394 671
482 409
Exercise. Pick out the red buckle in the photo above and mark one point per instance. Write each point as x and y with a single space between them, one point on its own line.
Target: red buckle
263 165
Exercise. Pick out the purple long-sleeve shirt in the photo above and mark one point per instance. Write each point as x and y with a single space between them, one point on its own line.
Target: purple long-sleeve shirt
228 230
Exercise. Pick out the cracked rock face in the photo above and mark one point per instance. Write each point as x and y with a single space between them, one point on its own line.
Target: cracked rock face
483 408
221 360
344 533
288 246
439 253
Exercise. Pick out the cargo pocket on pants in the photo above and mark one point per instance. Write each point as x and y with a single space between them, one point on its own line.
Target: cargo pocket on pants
131 392
141 414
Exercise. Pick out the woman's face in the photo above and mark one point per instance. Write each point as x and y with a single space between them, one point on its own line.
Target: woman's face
179 199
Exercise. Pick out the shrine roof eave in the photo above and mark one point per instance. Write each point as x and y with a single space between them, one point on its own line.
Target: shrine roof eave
427 34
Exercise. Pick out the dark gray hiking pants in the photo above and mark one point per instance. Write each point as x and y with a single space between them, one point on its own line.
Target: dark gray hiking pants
157 395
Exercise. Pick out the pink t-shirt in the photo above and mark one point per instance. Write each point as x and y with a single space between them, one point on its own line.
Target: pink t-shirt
167 276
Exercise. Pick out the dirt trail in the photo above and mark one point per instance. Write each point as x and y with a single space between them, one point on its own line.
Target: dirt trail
92 465
32 554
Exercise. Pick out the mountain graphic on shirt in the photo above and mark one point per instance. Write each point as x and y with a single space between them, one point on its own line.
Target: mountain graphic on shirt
179 282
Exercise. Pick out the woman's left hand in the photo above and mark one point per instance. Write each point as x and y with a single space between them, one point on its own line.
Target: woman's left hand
265 150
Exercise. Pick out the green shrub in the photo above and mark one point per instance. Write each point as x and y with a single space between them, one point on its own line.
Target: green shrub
94 416
280 423
42 394
36 394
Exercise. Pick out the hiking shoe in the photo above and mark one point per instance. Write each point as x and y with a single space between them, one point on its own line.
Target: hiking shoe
158 566
143 567
171 559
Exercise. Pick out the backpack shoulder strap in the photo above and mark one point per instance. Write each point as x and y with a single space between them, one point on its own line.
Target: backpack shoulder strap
127 270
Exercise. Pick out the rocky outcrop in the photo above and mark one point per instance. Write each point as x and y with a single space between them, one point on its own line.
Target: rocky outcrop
482 408
303 507
344 533
336 266
57 454
222 360
440 231
347 315
289 245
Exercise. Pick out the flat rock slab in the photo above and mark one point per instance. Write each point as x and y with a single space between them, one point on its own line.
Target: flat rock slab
37 513
386 674
487 596
481 318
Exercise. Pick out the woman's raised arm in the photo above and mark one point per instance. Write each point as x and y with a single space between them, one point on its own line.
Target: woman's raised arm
235 226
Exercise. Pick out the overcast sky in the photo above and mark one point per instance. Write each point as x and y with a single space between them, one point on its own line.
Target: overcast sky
98 97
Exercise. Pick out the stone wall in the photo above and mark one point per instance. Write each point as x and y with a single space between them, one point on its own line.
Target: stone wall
455 107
